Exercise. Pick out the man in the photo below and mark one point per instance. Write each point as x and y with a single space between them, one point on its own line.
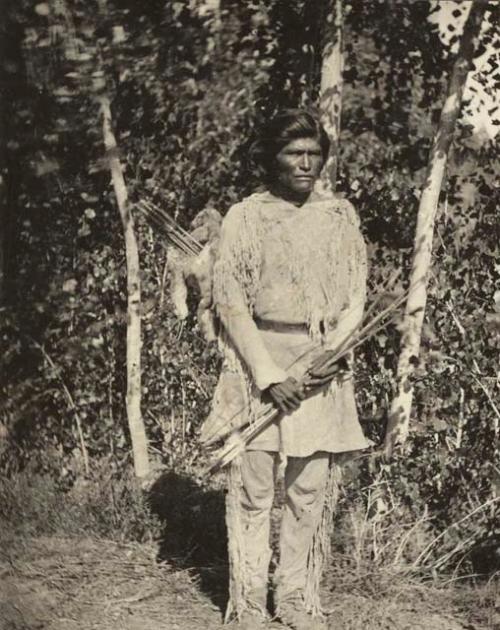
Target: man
289 284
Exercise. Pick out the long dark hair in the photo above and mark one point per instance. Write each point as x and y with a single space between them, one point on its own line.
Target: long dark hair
286 125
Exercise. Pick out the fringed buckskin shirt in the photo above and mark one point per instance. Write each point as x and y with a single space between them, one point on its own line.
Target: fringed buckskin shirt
289 283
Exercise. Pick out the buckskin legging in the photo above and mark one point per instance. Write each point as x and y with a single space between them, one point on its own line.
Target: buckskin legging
305 481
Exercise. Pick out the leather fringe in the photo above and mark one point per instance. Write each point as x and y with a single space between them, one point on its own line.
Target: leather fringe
320 550
236 549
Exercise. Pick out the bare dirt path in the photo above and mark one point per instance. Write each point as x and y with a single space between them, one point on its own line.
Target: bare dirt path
54 583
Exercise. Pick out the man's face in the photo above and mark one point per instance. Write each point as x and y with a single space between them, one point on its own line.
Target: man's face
298 165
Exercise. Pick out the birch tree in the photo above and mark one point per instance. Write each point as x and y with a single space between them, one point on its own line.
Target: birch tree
3 189
134 339
135 421
399 417
331 89
98 86
3 225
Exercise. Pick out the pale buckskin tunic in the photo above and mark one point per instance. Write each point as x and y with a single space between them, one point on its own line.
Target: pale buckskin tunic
272 326
288 282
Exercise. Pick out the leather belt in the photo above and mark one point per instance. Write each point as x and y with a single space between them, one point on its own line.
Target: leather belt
269 324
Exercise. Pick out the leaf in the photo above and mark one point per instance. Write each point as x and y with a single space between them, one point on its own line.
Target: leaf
69 286
89 198
118 34
439 425
496 297
493 321
45 167
42 8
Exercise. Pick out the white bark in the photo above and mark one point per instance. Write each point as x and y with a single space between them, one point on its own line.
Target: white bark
3 200
331 91
3 229
133 401
399 417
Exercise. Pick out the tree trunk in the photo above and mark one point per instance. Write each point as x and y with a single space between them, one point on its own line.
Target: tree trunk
331 90
399 416
3 176
3 218
135 421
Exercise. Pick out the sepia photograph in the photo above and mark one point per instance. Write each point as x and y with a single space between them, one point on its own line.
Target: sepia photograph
250 315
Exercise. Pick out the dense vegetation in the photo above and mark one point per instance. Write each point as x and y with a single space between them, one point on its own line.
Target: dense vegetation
187 87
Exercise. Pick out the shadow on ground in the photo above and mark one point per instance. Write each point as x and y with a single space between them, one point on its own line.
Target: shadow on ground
194 532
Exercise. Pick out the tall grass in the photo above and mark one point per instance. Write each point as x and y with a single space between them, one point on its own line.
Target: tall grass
101 505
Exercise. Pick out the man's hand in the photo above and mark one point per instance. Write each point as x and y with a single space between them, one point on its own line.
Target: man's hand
287 395
324 370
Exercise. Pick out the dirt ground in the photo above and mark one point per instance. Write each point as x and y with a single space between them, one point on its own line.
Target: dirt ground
88 584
